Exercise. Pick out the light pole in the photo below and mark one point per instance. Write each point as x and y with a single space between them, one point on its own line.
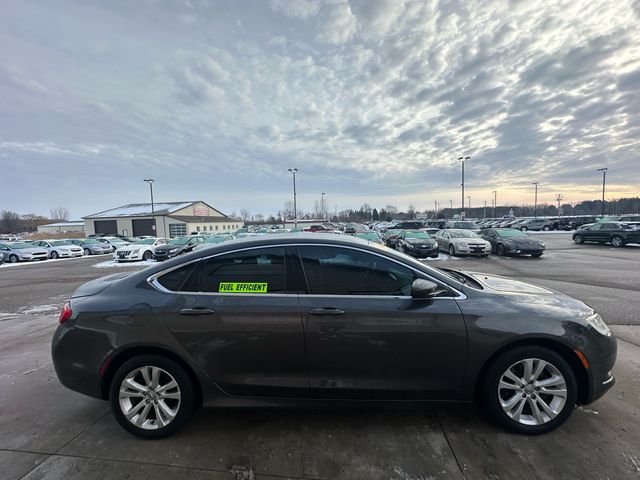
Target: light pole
293 172
462 160
484 215
604 179
495 202
322 205
435 204
469 198
535 200
559 199
153 211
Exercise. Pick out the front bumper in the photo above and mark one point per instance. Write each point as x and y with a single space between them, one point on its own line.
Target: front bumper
524 250
429 251
472 250
165 255
32 258
601 353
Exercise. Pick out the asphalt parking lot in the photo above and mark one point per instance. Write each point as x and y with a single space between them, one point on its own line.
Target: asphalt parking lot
47 431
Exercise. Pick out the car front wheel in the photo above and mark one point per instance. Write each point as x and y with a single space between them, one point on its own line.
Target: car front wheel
87 252
617 241
530 390
151 396
147 255
500 251
524 229
452 250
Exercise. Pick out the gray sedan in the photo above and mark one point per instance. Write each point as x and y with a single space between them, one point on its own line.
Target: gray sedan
462 242
91 246
286 319
59 248
15 252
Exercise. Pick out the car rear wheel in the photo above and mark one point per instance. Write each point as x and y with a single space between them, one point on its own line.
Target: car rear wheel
147 255
546 228
530 390
578 239
151 396
617 241
452 250
524 229
54 255
87 251
13 258
500 251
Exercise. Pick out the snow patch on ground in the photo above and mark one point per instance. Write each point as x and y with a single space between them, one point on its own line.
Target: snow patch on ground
441 258
114 264
41 309
40 262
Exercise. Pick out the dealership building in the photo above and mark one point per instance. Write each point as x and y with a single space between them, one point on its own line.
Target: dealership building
172 219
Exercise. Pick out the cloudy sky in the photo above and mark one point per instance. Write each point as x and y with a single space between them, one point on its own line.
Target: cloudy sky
372 100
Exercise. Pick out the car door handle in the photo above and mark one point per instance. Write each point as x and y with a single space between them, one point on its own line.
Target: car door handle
196 311
326 311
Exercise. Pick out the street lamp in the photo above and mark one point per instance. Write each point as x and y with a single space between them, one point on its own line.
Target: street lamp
604 179
535 200
153 212
293 172
322 205
462 160
559 199
495 202
469 198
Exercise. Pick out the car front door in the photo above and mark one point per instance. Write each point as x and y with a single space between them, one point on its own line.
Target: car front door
594 233
234 315
366 337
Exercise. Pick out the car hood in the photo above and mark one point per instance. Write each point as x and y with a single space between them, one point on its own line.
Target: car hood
506 285
420 241
522 241
467 241
98 285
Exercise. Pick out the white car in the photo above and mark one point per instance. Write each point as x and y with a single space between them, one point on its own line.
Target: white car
462 242
59 248
113 242
140 250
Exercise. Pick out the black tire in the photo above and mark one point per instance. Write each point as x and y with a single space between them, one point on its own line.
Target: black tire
536 255
523 229
87 252
184 407
54 255
13 258
500 251
452 250
546 228
147 255
617 241
511 357
578 239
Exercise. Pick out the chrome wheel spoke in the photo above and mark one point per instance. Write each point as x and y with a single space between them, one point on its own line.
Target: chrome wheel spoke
170 396
134 411
132 384
146 375
513 377
541 365
508 405
155 376
528 369
166 410
535 411
507 386
560 392
143 416
167 386
554 380
546 408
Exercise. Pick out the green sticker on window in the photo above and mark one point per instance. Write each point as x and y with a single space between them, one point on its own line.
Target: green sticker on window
242 287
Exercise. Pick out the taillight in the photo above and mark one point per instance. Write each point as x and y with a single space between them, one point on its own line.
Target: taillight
66 313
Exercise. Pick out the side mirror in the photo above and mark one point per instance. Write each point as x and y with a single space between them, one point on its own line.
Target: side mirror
423 288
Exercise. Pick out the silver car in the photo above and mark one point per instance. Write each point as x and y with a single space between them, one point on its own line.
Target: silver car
59 248
16 252
462 242
91 246
114 242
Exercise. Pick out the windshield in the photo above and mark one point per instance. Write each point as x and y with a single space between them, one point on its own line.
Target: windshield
369 236
20 245
423 235
90 241
462 234
214 240
178 241
59 243
511 233
145 241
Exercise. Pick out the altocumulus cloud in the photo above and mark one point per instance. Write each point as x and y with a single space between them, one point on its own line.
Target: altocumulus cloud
370 99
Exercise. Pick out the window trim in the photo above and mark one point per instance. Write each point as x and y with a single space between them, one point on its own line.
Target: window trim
153 279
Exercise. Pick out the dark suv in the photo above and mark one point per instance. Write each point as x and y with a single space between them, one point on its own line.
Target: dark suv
177 246
618 234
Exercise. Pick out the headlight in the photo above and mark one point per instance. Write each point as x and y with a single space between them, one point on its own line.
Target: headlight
596 322
542 244
173 250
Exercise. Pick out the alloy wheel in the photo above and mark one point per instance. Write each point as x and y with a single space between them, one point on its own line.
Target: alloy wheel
13 259
149 397
532 391
616 241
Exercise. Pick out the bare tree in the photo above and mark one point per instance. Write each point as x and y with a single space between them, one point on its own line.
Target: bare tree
245 215
287 211
59 213
411 212
9 221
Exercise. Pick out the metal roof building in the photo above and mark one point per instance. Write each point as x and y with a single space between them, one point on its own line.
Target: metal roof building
72 226
172 219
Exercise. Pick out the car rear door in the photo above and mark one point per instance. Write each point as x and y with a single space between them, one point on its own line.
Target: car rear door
366 337
234 315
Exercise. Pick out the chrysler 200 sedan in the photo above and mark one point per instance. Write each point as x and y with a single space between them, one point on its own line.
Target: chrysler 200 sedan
310 319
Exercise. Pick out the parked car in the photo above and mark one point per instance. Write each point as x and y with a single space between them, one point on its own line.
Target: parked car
435 224
114 242
370 236
616 233
22 252
59 248
462 242
1 258
214 240
508 241
390 237
140 250
91 246
319 228
535 224
333 318
177 246
633 220
417 243
461 225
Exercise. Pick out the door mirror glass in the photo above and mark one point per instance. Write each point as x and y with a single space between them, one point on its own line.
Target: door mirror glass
421 288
